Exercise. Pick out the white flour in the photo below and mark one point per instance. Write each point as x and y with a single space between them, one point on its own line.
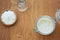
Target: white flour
45 25
8 17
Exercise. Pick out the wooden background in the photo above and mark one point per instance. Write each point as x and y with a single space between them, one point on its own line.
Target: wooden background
23 29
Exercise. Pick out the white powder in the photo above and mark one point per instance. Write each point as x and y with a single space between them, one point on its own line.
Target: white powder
45 25
8 17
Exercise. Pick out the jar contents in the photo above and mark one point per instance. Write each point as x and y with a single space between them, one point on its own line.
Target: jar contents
8 17
45 25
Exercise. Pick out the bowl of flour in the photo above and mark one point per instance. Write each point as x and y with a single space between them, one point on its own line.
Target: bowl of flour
8 17
45 25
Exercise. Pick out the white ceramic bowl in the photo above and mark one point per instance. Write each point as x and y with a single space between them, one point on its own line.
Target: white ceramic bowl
45 25
8 17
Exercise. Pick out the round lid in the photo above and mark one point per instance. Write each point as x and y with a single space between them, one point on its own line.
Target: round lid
8 17
58 15
45 25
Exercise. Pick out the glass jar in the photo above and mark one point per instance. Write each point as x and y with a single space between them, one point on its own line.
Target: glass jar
22 5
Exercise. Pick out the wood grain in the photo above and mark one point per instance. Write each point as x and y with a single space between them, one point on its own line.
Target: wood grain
23 29
4 31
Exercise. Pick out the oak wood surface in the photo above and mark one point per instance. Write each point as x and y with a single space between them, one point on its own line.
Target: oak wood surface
23 29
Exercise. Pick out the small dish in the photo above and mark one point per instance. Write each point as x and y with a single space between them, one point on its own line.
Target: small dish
45 25
8 17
